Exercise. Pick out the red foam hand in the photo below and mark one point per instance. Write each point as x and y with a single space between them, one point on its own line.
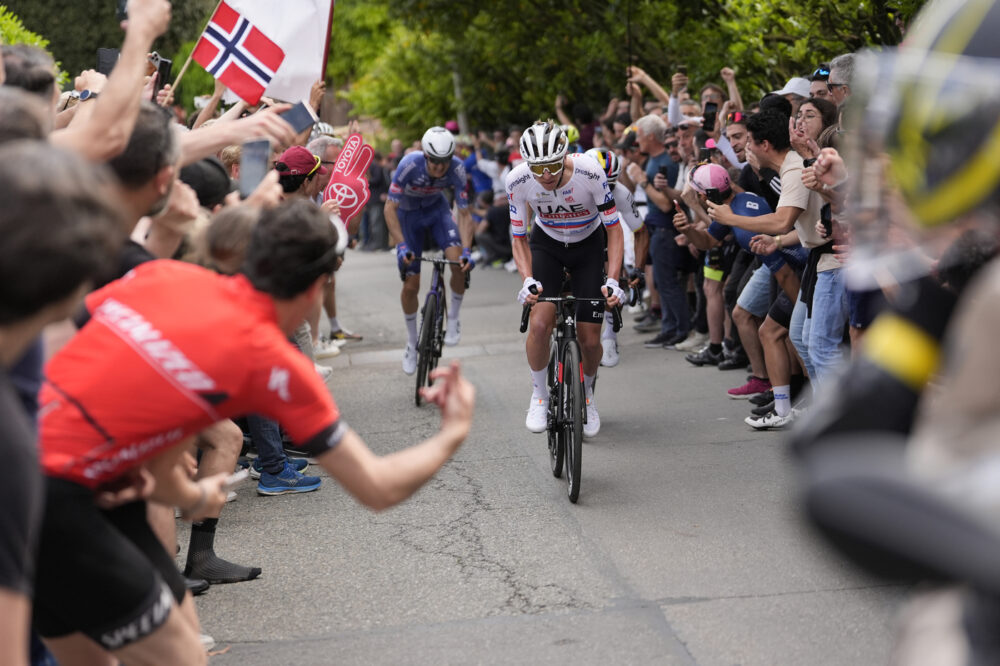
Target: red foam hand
349 182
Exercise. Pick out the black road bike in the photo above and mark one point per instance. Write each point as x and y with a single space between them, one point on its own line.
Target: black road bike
567 397
434 315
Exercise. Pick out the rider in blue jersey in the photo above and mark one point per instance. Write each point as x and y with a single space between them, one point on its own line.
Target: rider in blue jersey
417 204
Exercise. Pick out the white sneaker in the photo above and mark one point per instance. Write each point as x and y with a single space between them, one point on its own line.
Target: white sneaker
593 424
207 642
323 371
454 333
610 357
231 496
326 349
694 342
510 266
538 415
409 360
771 420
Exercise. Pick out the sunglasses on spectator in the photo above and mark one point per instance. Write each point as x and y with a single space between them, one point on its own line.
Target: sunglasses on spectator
683 126
671 144
438 160
554 168
822 72
735 117
831 86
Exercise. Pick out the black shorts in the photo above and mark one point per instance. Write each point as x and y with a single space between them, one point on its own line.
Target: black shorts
103 573
781 309
585 262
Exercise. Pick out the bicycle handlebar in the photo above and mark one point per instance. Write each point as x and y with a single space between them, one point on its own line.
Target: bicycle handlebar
616 312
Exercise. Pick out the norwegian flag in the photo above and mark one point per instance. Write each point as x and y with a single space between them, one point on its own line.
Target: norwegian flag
237 53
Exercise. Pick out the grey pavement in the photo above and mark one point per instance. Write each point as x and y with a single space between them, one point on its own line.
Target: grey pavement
687 545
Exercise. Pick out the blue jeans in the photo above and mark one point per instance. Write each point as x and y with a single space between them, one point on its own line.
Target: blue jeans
667 263
266 436
830 314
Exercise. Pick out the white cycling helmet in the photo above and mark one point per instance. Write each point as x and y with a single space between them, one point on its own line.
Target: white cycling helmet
438 143
610 164
543 142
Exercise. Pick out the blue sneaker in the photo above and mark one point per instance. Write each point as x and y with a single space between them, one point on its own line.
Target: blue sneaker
289 481
298 464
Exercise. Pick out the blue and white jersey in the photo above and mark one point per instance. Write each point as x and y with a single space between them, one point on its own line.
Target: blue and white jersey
412 187
569 213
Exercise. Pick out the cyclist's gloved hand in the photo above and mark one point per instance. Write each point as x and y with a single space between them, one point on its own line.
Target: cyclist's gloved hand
635 276
529 282
614 290
403 256
467 258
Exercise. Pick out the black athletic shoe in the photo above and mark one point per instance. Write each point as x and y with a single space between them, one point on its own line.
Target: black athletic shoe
658 341
762 398
197 586
734 362
674 341
763 409
648 326
704 357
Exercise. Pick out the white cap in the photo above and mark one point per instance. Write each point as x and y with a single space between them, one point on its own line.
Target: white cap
795 86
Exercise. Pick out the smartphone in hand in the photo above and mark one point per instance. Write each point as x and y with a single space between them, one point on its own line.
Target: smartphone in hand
708 118
300 117
254 157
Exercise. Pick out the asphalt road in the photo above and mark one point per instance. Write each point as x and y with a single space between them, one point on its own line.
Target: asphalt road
686 547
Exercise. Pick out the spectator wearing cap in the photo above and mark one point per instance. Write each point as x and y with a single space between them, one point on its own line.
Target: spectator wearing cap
210 181
297 171
841 75
796 91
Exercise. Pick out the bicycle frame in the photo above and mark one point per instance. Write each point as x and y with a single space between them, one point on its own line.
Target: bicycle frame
431 341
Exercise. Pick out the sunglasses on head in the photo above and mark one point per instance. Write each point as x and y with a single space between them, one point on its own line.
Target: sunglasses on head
735 117
821 72
554 168
683 126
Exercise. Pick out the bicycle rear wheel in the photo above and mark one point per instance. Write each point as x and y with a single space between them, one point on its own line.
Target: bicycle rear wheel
425 344
556 445
572 404
439 323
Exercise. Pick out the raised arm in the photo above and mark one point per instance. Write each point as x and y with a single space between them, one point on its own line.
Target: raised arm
101 129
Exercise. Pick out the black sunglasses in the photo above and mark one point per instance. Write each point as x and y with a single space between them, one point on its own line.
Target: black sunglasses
831 86
672 144
438 160
821 73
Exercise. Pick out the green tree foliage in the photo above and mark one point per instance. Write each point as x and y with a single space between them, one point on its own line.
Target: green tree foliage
77 29
12 31
398 56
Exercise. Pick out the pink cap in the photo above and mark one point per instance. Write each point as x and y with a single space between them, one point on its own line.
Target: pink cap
451 126
710 176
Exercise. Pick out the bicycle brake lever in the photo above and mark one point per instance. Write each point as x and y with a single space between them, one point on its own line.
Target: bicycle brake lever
616 318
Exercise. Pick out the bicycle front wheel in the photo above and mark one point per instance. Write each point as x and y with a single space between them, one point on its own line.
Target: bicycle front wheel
425 344
556 445
572 405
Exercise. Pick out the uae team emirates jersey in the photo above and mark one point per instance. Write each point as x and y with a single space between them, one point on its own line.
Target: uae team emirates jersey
569 213
170 349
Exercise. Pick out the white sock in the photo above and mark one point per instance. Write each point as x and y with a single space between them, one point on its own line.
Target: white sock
609 333
588 384
539 383
411 328
782 400
334 326
456 305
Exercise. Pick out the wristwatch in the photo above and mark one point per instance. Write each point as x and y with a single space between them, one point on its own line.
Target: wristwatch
88 94
644 184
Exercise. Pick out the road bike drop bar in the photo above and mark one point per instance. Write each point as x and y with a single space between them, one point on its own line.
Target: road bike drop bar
616 312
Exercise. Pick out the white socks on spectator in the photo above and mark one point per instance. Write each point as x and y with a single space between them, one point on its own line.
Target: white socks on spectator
334 325
539 383
411 328
456 305
782 400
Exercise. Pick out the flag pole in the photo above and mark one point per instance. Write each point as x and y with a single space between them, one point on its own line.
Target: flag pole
187 63
326 47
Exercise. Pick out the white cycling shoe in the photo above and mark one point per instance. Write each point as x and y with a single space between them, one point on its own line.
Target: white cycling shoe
409 360
454 333
538 419
593 424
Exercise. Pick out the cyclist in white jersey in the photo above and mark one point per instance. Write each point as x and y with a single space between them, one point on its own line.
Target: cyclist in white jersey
572 200
635 234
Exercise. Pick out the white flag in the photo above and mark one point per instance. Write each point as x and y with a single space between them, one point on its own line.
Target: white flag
299 27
